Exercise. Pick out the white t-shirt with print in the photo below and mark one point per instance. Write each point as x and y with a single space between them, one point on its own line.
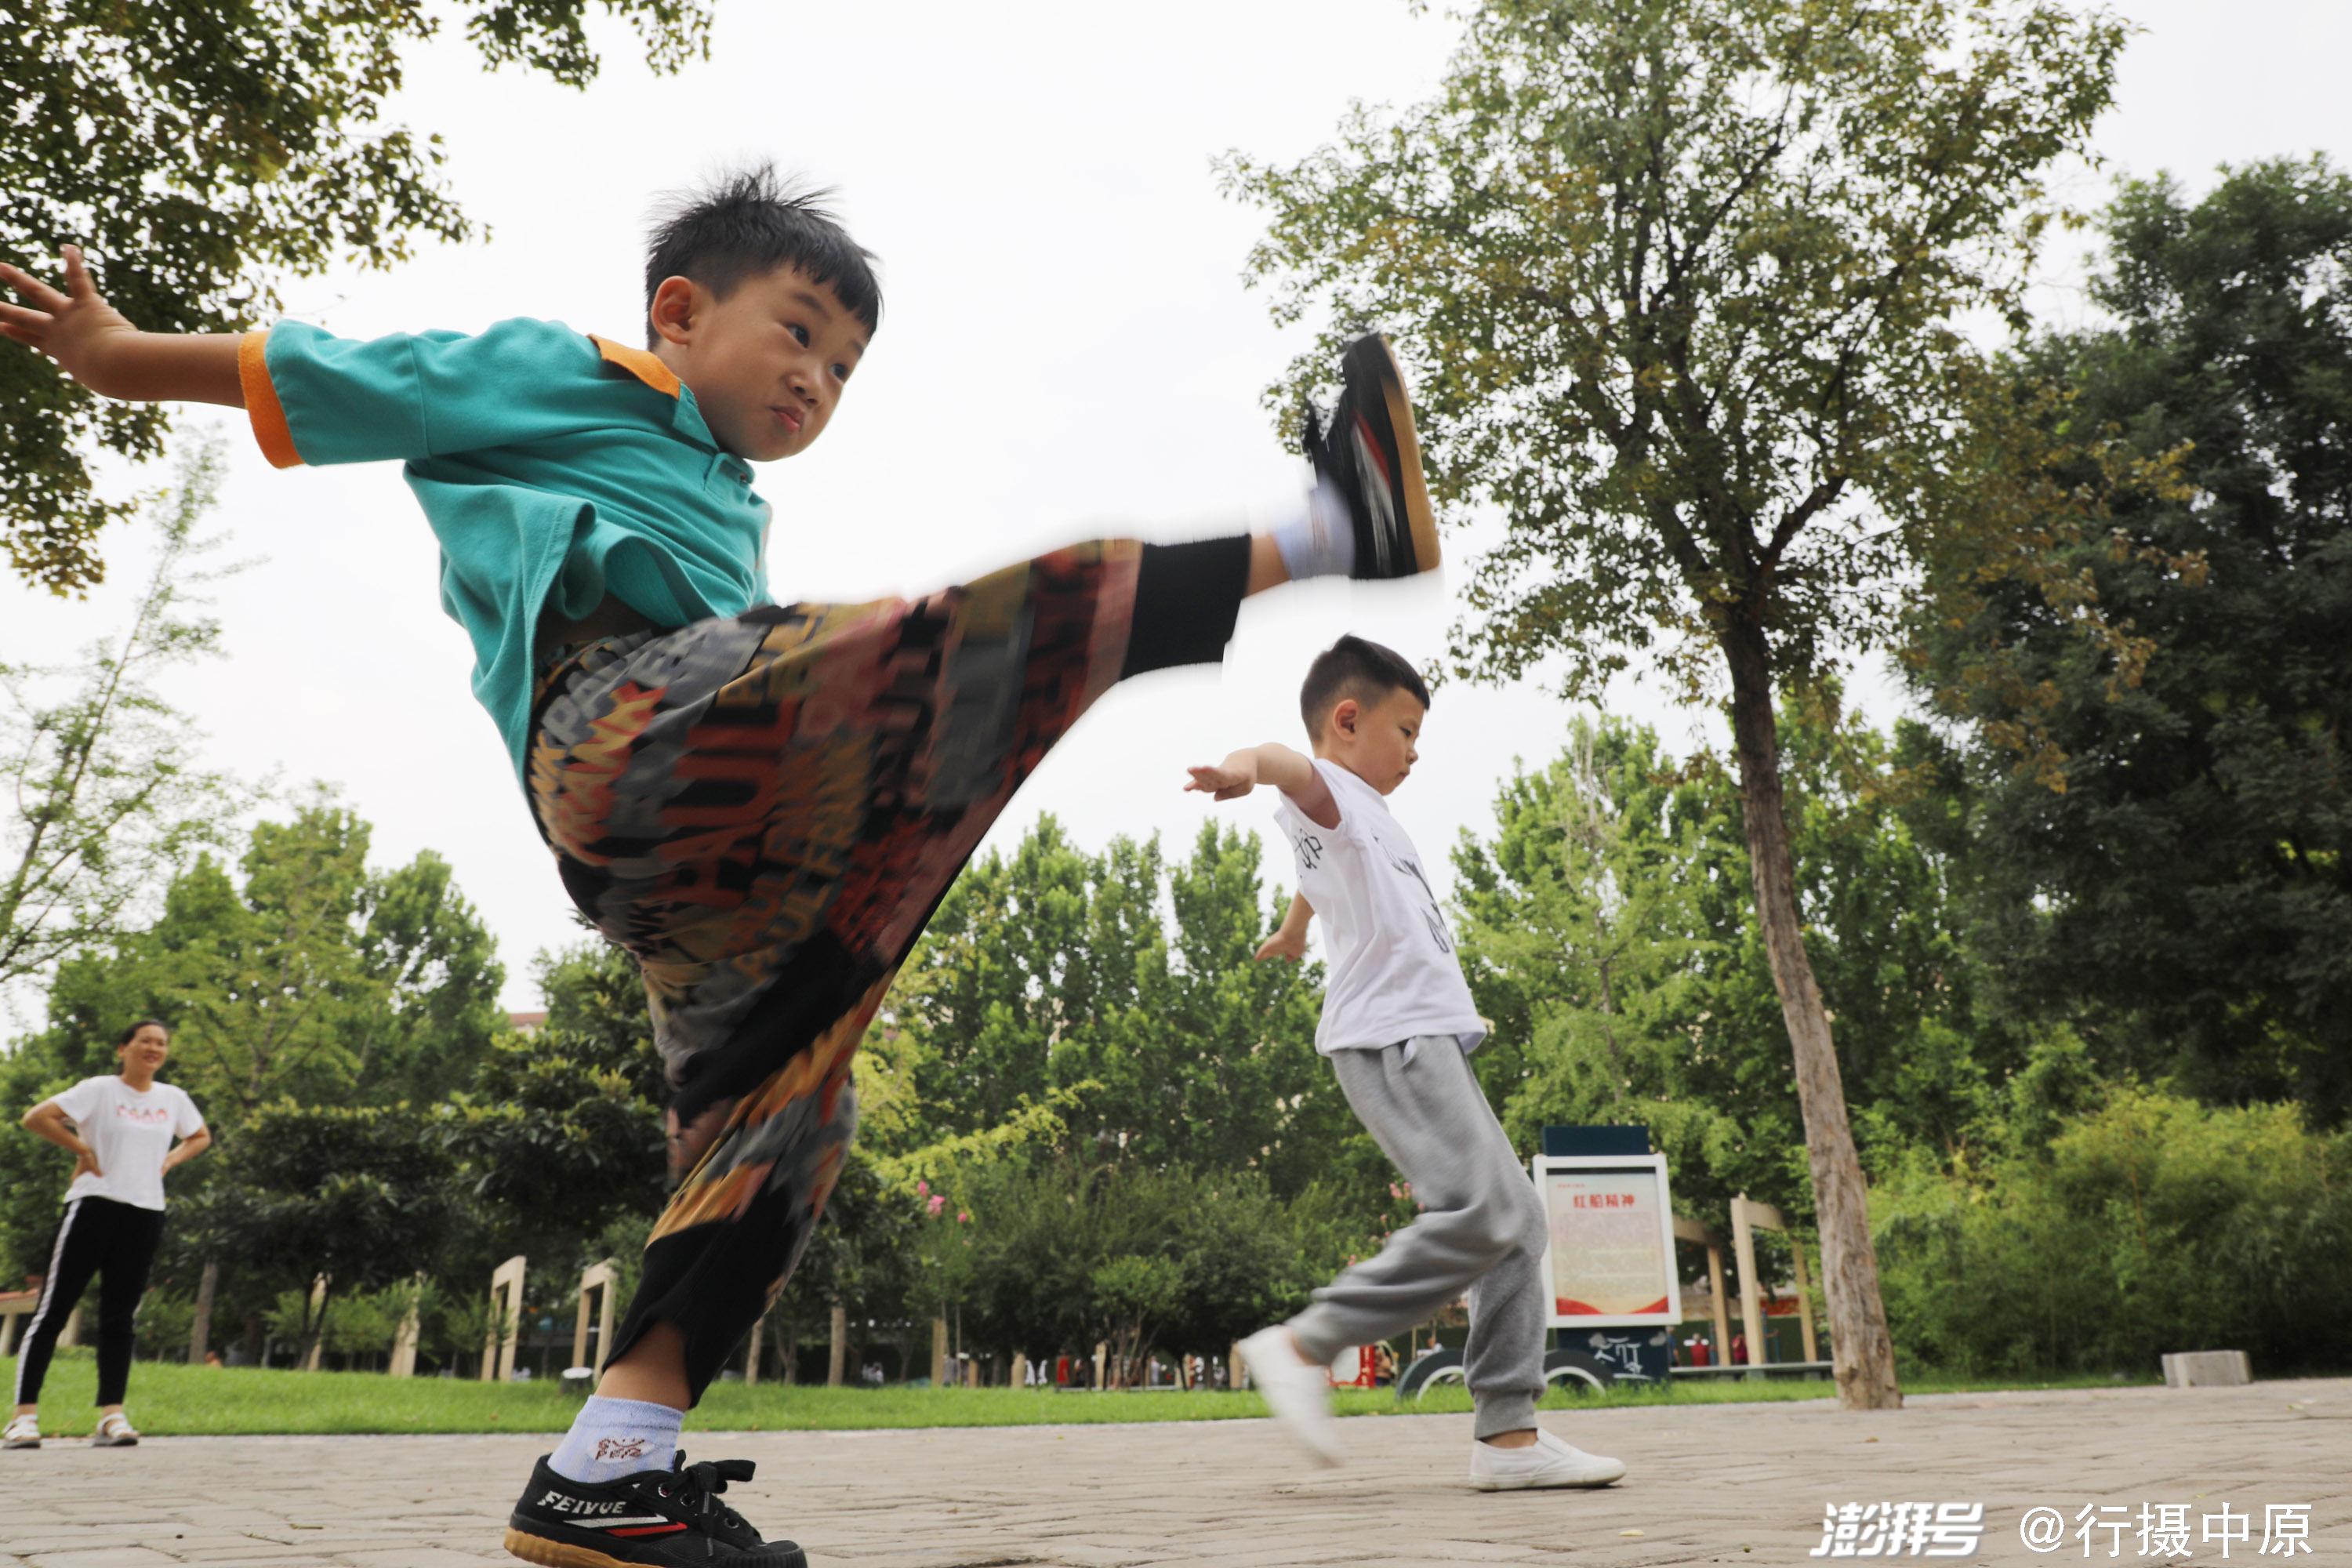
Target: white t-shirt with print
131 1131
1391 970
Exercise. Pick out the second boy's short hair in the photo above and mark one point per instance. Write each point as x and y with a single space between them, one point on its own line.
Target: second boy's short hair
1357 667
751 221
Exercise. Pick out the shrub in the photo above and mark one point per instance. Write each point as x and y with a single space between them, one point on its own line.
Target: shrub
2150 1224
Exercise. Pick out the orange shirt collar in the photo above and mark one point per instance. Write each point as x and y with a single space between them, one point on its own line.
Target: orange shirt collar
643 364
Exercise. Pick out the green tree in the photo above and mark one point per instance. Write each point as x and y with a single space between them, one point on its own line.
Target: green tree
366 1195
1064 1252
1012 975
434 967
202 153
559 1131
1609 928
1586 936
1214 1068
1681 278
1050 976
303 977
2185 899
313 979
2139 1224
104 801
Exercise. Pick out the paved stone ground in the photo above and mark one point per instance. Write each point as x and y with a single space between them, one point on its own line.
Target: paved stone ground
1708 1484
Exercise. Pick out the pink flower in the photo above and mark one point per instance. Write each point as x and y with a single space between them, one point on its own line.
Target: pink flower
922 1189
937 1202
963 1216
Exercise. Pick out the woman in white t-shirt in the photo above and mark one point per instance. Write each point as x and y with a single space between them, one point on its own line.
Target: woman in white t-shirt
120 1130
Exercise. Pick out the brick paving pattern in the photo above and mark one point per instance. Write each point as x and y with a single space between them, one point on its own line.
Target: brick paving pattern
1707 1484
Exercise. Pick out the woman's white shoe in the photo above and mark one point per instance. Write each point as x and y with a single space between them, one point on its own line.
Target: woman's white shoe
114 1432
1545 1462
23 1432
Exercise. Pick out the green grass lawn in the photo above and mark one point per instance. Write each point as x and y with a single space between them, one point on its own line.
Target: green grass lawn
167 1399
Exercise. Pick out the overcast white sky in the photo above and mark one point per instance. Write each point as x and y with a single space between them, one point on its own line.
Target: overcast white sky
1062 295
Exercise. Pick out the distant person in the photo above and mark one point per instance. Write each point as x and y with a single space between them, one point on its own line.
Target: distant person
213 1358
1397 1026
120 1130
762 798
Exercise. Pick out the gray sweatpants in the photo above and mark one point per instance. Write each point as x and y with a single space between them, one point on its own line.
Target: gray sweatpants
1481 1227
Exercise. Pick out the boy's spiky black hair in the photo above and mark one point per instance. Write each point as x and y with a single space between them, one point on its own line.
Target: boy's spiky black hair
1357 667
750 222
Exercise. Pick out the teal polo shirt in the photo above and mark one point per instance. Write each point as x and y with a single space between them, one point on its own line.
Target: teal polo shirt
555 469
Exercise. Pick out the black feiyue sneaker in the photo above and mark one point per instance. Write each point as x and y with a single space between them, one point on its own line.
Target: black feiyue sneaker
1369 453
668 1519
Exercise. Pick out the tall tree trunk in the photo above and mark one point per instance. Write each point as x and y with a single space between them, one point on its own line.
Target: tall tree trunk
1862 1353
314 1322
200 1332
835 1357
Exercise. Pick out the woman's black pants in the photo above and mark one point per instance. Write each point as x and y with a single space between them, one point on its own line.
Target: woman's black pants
115 1243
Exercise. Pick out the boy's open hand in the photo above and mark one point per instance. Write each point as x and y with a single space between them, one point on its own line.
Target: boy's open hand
1229 780
1283 943
74 328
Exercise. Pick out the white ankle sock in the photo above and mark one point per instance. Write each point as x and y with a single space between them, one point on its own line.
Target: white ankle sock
614 1438
1319 540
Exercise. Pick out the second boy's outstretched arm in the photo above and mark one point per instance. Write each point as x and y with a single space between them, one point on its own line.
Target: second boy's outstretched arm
94 343
1273 763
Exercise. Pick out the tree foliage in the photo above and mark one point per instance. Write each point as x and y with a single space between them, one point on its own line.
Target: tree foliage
1608 928
363 1194
560 1130
2148 1222
303 977
1052 978
1680 279
1070 1251
2185 897
104 801
203 152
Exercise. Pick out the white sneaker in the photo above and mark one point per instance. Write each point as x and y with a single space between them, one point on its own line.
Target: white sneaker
1297 1391
113 1432
1547 1462
23 1432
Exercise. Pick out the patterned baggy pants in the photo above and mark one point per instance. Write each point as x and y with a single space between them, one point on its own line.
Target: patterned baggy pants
766 810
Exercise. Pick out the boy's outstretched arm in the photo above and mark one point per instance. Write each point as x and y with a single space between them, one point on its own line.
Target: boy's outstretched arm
1290 940
1274 764
93 343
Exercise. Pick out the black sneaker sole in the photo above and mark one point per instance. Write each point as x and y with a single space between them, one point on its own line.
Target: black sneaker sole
1414 482
547 1553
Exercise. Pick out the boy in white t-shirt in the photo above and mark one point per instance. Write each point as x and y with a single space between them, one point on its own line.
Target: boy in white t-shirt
1398 1025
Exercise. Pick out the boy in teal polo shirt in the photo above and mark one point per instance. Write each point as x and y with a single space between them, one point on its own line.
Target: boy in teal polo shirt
555 470
762 802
